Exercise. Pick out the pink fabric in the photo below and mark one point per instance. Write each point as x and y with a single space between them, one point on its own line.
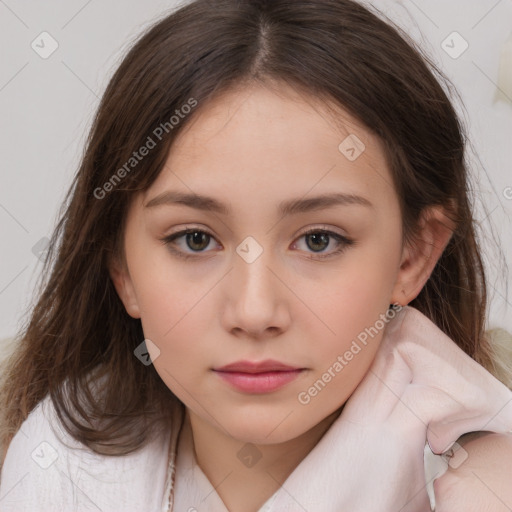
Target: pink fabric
421 387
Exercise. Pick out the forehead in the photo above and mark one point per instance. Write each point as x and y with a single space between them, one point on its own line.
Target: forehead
265 144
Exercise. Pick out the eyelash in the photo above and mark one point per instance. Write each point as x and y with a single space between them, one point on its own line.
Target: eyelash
342 240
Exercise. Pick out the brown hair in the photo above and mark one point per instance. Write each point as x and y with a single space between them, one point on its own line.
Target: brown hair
337 50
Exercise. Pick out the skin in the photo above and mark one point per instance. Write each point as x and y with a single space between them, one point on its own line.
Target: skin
252 148
482 482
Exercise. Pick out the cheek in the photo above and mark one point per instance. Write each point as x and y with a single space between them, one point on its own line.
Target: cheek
173 321
351 306
352 297
170 308
169 296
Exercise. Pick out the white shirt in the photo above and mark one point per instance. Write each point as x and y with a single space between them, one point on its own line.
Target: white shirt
41 473
46 470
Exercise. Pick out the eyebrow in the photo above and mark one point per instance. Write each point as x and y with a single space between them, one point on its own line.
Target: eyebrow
289 207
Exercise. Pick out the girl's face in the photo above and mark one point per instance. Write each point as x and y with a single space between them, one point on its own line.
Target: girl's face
251 175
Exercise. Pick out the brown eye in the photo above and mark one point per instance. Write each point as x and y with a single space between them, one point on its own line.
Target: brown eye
318 240
190 243
187 242
197 240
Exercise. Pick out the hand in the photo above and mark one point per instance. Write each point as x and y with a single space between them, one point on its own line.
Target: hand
420 388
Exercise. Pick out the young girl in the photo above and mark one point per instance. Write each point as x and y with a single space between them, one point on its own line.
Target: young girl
265 291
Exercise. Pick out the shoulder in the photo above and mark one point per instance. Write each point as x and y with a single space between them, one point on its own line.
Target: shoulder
30 452
481 478
46 469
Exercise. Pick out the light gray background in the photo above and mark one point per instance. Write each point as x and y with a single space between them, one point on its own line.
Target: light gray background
47 106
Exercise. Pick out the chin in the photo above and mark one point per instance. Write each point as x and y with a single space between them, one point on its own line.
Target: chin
265 428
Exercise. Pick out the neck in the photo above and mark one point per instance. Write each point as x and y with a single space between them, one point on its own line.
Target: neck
245 488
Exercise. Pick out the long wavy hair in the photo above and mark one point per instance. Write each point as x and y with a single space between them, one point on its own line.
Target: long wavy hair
336 50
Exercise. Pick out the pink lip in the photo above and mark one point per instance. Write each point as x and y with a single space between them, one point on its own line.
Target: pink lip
258 377
269 365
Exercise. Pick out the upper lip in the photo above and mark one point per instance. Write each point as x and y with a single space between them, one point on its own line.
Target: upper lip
268 365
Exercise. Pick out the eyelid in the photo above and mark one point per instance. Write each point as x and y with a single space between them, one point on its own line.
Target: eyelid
342 240
168 239
321 227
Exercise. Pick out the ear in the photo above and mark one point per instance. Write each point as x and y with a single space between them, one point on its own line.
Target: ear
420 257
123 284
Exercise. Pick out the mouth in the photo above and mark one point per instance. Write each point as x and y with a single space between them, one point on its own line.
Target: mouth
258 377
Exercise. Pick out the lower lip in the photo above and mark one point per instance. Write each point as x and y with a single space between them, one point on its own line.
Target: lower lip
259 382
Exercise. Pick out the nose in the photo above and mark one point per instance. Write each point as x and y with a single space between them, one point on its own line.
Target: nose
256 304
